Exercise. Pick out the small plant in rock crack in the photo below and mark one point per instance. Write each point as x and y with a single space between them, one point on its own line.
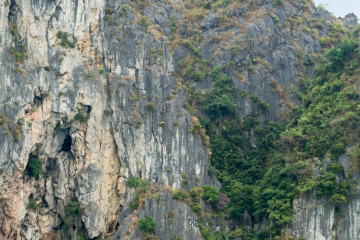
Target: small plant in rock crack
101 71
150 106
134 182
72 215
108 112
80 116
144 21
65 42
32 205
34 168
19 53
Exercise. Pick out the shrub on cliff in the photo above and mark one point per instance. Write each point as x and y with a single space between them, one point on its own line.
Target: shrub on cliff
211 194
134 182
181 195
65 42
147 224
32 205
144 21
72 214
34 168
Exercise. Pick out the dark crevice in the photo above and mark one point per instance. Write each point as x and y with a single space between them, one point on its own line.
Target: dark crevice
87 109
38 100
50 165
13 9
66 147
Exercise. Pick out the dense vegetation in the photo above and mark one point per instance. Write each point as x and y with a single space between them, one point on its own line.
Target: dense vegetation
34 168
72 217
263 166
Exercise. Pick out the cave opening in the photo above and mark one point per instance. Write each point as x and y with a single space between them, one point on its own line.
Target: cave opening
66 147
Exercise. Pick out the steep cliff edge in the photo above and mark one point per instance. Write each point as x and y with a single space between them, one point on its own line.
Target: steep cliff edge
97 94
94 117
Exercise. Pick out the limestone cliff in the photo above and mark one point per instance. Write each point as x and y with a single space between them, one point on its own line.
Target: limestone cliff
87 160
94 89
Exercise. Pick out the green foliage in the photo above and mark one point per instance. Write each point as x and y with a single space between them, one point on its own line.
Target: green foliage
337 150
80 234
19 52
206 232
275 18
140 194
199 76
278 2
126 7
73 209
340 56
329 115
32 205
277 190
220 101
134 204
211 194
338 199
326 184
34 168
196 193
150 106
108 112
355 161
147 224
14 32
263 166
321 7
335 168
80 116
144 21
221 236
72 215
239 164
134 182
65 42
181 195
195 206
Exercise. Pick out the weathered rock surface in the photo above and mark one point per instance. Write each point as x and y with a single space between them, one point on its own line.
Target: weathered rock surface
174 218
119 137
319 219
110 107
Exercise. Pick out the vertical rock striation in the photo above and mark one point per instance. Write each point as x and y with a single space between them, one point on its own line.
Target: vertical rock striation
91 128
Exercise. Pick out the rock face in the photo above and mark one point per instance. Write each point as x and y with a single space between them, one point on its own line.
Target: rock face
94 95
93 114
319 219
168 216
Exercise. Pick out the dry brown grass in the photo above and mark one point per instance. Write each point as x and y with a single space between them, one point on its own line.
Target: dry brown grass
241 77
127 78
279 89
198 129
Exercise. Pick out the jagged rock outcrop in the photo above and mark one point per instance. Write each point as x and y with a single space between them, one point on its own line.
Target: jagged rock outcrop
91 130
316 218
